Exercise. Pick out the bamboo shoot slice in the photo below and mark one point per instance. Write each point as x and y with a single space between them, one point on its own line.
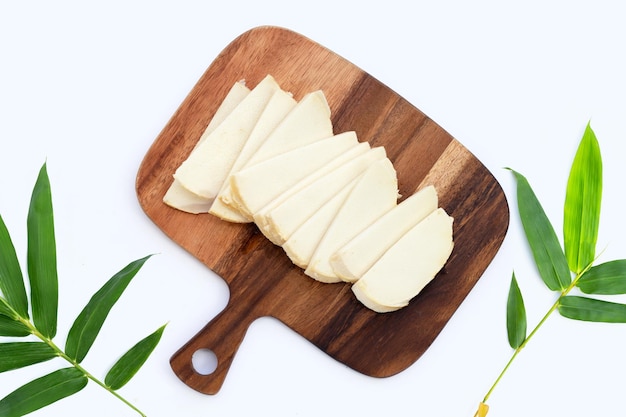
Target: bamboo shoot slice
302 243
178 196
256 186
284 219
261 217
279 105
235 95
357 256
206 168
408 266
375 194
307 122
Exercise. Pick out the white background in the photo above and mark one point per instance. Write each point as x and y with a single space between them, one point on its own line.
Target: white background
88 87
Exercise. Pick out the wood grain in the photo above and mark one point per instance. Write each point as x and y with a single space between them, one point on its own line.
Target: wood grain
262 280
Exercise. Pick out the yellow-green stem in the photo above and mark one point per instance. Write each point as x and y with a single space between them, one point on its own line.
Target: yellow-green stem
532 333
519 349
74 363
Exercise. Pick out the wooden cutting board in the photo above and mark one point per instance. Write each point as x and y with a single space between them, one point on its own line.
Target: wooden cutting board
261 278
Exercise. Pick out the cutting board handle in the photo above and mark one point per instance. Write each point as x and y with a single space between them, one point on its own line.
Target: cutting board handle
222 336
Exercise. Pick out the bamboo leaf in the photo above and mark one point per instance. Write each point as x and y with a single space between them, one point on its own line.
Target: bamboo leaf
42 392
130 363
12 328
547 252
5 310
589 309
87 325
11 278
515 316
41 255
15 355
582 203
607 278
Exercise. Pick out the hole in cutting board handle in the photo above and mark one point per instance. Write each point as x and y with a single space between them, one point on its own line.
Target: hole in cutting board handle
204 361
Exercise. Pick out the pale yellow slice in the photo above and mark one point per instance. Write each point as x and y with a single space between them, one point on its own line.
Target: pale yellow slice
208 165
279 105
261 217
359 254
255 186
307 122
235 95
302 243
374 195
284 218
178 196
407 266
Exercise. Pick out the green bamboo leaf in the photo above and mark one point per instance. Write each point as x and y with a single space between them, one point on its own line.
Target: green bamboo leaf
589 309
41 255
42 392
12 328
607 278
5 310
11 278
15 355
582 203
515 315
544 244
130 363
89 322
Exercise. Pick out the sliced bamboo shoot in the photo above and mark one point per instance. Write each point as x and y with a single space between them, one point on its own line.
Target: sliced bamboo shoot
178 196
357 256
257 185
279 105
235 95
302 243
375 194
206 168
307 122
284 218
408 266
